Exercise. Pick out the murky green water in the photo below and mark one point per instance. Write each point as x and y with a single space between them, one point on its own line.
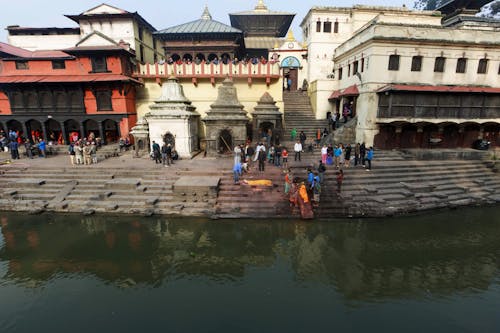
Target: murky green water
436 273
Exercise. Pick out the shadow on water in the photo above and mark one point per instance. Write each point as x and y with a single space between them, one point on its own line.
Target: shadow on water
434 273
412 257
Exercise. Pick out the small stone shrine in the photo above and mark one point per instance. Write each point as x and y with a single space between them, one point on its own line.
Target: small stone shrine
226 121
266 115
173 120
140 132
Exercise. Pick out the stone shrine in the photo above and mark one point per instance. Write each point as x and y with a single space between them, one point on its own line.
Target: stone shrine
266 115
140 132
226 121
173 120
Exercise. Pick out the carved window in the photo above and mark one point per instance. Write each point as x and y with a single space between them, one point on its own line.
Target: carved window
327 27
439 64
17 100
348 70
482 68
362 64
58 64
22 65
336 27
99 64
393 62
340 73
46 99
461 65
103 99
61 100
318 26
416 63
32 99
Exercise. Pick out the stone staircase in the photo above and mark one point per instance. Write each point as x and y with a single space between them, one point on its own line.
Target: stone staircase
299 115
96 190
398 184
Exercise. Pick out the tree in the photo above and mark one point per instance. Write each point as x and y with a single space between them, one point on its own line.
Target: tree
427 4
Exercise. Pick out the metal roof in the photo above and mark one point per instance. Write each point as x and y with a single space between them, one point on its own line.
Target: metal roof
447 89
262 42
200 26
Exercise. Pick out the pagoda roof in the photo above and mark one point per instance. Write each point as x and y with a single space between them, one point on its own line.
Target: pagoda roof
8 51
450 6
262 22
202 26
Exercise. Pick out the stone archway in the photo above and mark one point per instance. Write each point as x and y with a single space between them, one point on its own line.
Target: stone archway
15 126
264 128
111 131
35 130
54 131
225 141
169 138
451 136
72 130
492 134
91 126
471 134
409 137
386 137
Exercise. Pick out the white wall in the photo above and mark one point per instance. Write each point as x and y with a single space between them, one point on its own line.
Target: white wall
43 42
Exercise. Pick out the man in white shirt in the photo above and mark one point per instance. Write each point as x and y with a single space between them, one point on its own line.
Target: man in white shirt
297 149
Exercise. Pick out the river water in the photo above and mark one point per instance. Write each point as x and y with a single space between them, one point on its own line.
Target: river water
433 273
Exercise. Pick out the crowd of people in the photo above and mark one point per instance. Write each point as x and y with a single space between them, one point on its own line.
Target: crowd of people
14 140
307 188
165 154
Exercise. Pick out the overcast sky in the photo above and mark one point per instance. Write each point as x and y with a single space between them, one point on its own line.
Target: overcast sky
161 14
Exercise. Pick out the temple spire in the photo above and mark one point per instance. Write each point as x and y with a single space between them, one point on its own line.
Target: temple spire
206 14
290 37
261 6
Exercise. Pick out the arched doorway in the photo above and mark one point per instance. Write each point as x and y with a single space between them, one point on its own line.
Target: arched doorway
187 57
169 139
91 127
492 134
386 138
451 136
200 57
431 137
111 131
34 128
54 131
225 58
212 57
72 130
409 137
471 134
290 66
175 57
225 142
264 128
16 126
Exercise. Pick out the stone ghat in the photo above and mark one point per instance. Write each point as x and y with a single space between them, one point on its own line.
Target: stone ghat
397 185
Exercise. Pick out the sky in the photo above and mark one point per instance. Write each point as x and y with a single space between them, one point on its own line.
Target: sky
161 14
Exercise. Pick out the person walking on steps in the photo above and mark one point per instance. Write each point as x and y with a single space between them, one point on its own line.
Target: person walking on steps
297 149
369 158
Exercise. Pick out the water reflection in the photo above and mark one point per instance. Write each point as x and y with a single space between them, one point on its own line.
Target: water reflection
415 257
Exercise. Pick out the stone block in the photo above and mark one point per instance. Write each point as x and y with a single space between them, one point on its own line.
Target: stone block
122 184
196 187
111 207
371 189
151 201
28 182
419 187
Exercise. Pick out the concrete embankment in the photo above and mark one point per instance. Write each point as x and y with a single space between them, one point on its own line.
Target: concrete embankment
398 184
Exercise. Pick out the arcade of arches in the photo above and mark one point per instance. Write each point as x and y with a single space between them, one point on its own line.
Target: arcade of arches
429 135
59 130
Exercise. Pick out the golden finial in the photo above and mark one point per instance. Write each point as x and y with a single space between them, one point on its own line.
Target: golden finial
290 36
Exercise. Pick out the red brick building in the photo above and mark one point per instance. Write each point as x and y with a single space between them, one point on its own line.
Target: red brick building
83 89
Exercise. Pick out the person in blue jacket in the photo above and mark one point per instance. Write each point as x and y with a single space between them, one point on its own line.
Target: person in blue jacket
369 158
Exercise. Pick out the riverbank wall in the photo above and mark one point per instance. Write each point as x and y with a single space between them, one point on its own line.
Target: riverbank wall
398 184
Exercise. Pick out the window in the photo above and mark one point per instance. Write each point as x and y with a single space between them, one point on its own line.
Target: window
141 33
340 73
141 52
416 64
393 62
362 64
348 70
483 66
336 27
327 27
58 64
461 65
318 26
103 99
355 67
439 64
99 64
21 64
